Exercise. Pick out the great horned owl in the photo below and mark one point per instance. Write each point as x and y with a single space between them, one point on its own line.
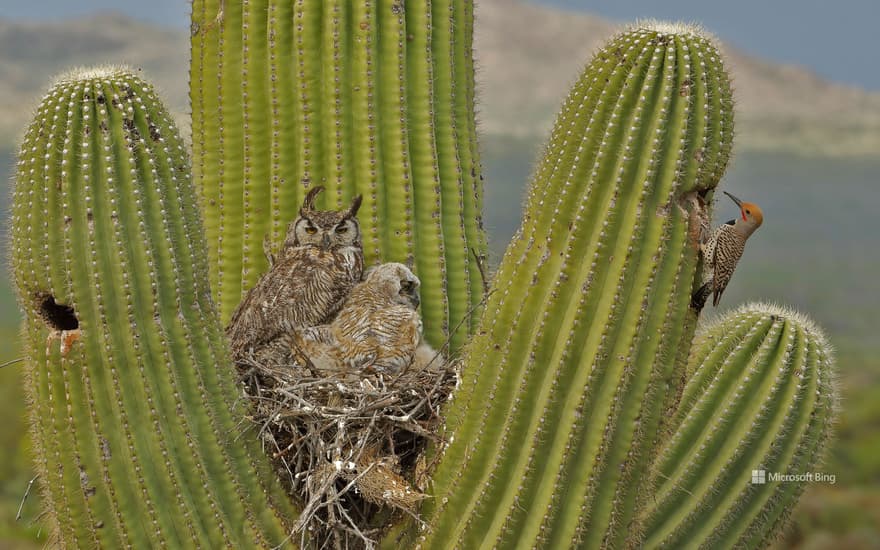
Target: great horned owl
378 326
319 263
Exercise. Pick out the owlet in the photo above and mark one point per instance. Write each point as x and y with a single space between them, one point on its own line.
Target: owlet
378 327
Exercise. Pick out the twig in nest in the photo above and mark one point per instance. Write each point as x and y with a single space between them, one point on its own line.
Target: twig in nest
445 346
480 260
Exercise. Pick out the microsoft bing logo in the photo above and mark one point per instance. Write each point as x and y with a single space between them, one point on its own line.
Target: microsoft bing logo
761 477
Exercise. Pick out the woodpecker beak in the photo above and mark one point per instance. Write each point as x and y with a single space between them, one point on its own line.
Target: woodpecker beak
325 242
738 203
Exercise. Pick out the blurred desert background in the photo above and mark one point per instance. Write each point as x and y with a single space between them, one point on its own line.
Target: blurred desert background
807 150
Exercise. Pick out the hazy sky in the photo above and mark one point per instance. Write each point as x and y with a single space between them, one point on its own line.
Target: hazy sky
839 39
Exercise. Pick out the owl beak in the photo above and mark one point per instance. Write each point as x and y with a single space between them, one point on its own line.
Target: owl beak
325 242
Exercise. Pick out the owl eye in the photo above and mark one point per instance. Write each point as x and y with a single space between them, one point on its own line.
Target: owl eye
311 230
406 286
341 228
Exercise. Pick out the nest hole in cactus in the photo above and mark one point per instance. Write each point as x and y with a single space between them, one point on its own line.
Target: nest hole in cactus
59 317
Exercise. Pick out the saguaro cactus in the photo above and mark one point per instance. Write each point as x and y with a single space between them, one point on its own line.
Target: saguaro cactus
760 398
136 423
371 98
579 352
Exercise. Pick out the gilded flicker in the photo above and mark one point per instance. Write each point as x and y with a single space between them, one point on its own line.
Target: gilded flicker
722 250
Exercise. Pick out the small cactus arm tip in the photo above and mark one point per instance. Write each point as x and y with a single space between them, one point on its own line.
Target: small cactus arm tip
133 409
761 398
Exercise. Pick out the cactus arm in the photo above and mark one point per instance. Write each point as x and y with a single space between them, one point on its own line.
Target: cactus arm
764 524
762 398
142 406
567 357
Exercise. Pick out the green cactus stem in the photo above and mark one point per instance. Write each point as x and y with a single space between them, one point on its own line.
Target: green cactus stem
761 398
371 98
136 423
564 380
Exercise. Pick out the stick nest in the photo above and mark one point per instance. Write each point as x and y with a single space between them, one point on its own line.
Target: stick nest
350 445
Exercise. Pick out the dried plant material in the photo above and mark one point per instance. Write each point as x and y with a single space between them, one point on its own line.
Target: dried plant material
348 443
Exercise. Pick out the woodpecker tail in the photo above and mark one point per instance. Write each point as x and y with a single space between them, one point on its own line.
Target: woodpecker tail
698 298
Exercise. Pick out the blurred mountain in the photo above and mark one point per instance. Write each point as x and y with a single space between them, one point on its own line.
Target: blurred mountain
527 56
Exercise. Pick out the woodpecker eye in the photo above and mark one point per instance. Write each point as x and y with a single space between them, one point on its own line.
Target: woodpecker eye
748 212
311 230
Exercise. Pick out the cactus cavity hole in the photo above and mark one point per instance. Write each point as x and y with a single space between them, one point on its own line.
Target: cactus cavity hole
57 316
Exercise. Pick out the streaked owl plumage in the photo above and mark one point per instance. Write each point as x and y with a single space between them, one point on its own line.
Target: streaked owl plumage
378 326
319 263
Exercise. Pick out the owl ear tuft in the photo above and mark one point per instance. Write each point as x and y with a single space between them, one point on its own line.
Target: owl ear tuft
309 202
355 205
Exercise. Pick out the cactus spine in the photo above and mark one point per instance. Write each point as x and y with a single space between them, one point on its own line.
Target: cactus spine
372 98
761 397
565 376
136 422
